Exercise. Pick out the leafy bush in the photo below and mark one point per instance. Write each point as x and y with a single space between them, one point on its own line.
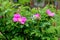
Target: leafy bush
39 24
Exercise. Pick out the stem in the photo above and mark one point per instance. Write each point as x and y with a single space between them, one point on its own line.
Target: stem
4 35
48 2
31 3
57 6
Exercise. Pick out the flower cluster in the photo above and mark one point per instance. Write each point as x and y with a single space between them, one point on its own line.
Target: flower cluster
18 18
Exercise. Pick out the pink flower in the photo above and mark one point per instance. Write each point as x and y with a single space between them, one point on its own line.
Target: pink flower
50 13
37 16
16 17
22 20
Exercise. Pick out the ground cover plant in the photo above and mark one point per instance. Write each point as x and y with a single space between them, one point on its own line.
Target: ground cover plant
26 23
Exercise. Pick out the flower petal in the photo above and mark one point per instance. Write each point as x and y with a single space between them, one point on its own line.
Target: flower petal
15 19
22 20
48 11
17 15
52 14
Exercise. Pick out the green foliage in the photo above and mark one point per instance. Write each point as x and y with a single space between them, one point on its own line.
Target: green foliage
18 38
24 1
21 2
42 29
